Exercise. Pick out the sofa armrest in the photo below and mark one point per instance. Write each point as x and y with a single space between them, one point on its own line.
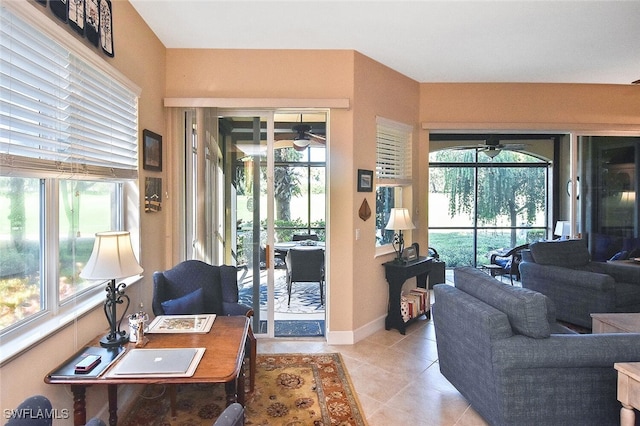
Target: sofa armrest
622 272
536 276
566 351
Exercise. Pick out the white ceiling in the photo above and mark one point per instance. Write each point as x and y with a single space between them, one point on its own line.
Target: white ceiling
577 41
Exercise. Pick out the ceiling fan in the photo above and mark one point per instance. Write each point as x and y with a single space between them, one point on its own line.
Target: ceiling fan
492 146
302 136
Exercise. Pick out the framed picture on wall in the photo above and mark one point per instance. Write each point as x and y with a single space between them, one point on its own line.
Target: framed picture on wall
365 180
151 151
152 194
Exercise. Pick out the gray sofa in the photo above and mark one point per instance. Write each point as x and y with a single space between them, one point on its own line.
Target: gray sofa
578 287
501 347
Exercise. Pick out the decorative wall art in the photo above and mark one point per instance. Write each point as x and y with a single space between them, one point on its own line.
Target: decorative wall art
365 180
152 194
151 151
76 15
92 19
365 211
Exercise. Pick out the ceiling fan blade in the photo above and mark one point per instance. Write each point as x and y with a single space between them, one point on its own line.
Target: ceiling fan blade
319 138
461 147
514 146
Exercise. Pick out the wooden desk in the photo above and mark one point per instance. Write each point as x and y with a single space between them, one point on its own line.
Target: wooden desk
615 323
397 274
222 363
628 391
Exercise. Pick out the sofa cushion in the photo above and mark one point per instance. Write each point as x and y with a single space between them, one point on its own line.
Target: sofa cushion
565 253
526 309
189 304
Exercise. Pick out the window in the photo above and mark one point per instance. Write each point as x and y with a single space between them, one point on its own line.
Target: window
68 153
393 172
479 204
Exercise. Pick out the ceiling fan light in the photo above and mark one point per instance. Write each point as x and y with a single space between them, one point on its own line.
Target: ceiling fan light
491 153
301 142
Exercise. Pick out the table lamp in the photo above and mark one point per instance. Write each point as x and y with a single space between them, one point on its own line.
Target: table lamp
563 229
399 220
112 258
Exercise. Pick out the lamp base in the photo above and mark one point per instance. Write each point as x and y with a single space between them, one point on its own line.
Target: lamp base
120 339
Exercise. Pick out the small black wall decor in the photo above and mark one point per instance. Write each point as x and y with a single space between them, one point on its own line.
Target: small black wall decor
92 19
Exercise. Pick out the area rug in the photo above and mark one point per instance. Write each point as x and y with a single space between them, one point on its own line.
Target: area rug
291 389
305 297
296 328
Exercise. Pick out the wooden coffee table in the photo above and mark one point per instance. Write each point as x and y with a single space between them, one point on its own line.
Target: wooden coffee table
628 391
222 363
628 372
615 323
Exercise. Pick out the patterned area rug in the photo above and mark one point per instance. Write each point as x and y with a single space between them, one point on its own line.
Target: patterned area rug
305 297
291 389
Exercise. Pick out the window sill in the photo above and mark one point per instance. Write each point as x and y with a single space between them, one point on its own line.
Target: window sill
13 347
384 250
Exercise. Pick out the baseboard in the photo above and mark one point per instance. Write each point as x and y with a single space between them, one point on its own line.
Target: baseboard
351 337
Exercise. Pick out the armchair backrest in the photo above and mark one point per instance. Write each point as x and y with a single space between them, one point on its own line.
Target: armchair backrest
217 283
305 265
566 253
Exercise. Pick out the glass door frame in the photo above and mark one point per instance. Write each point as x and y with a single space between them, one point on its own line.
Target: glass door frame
268 117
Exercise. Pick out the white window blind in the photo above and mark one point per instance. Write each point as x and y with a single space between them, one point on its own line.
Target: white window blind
393 150
59 113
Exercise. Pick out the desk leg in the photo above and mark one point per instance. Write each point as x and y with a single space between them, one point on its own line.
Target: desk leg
241 384
231 390
113 405
79 405
627 416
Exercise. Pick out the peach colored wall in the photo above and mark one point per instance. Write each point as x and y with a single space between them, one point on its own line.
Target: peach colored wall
542 106
259 73
140 56
379 91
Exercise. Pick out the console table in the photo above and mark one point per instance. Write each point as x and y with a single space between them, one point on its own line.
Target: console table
396 275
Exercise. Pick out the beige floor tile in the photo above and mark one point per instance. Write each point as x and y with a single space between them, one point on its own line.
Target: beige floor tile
396 377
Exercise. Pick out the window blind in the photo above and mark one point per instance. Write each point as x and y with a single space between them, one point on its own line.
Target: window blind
393 150
59 113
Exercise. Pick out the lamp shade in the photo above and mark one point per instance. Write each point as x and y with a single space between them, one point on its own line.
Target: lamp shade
563 228
112 257
399 220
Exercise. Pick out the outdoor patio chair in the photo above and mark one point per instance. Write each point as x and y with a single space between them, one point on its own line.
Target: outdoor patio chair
305 265
509 261
304 237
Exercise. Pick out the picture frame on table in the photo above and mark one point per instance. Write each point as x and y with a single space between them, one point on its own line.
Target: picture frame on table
365 180
151 151
409 254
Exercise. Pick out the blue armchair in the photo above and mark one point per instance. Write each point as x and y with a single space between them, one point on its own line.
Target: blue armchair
35 411
563 271
195 287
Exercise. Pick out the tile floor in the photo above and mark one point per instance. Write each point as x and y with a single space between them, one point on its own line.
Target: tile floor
396 377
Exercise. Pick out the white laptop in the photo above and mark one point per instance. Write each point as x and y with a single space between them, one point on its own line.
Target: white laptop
170 362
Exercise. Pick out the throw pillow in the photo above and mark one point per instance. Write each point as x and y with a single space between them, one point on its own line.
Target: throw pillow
189 304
